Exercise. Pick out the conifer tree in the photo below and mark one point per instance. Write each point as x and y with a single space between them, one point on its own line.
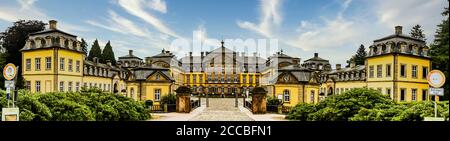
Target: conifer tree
108 53
417 32
95 51
359 57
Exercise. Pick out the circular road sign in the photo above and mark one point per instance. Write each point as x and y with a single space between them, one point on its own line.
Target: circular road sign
10 71
436 78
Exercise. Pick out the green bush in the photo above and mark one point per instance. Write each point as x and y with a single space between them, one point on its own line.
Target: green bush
88 105
273 101
365 105
169 99
301 112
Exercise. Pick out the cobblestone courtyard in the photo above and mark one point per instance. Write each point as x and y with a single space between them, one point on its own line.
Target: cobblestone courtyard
220 109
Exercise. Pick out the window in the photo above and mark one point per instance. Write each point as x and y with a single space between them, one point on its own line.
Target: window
38 86
403 70
402 94
70 65
37 64
104 87
188 78
70 86
77 67
28 85
61 64
414 71
286 95
28 64
201 78
388 91
157 94
424 95
311 98
379 69
194 78
413 94
90 85
61 86
337 90
244 79
48 63
371 71
250 79
388 70
85 84
424 72
77 86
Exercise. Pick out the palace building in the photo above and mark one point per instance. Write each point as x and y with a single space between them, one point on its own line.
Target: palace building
396 65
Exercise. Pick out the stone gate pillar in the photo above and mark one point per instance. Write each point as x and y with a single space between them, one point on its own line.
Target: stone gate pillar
183 99
259 101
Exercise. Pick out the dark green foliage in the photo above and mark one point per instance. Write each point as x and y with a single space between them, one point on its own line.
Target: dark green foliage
13 40
359 58
108 54
365 105
439 50
89 105
302 112
95 51
169 99
417 32
84 46
273 101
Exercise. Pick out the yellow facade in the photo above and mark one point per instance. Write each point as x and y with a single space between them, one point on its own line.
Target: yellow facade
291 94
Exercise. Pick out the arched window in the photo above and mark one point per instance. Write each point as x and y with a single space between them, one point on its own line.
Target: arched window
286 95
66 43
312 96
32 44
43 43
383 48
74 45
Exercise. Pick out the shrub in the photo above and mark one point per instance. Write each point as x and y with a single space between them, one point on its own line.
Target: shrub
301 112
169 99
273 101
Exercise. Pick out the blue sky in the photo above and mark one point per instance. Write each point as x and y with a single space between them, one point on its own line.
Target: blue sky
333 28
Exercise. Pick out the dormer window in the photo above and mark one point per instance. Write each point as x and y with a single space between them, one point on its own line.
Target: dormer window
66 43
43 43
32 44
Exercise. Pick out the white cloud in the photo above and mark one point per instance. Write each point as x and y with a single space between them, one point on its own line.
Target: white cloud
410 12
158 5
270 17
26 10
135 7
122 25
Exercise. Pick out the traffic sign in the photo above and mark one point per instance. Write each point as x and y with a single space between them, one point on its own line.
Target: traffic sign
436 79
10 71
9 84
437 91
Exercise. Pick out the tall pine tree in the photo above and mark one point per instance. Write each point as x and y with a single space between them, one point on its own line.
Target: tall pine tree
108 53
84 46
95 51
359 57
439 50
417 32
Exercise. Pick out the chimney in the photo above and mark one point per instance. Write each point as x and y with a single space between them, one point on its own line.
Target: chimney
95 60
398 30
316 55
352 64
130 52
190 53
202 54
108 62
338 66
52 24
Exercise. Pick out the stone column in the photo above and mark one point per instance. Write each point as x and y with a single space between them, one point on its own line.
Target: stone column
183 99
259 101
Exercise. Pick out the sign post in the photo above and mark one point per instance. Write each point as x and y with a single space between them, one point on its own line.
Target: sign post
10 73
436 79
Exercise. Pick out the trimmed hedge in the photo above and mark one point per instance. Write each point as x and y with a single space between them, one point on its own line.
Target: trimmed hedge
365 105
87 105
